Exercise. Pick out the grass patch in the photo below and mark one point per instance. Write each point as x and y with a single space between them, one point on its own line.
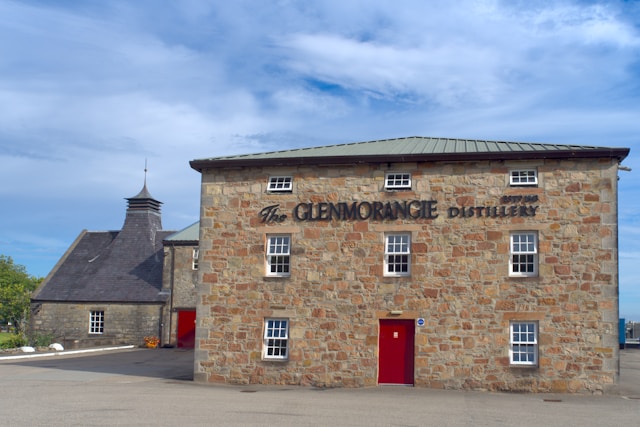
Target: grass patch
8 340
5 337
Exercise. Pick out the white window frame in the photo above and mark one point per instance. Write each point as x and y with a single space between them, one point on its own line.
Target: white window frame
397 181
278 255
523 343
523 253
397 254
280 184
275 339
523 178
96 322
194 258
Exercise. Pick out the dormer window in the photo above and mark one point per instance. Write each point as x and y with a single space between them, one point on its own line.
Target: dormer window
523 177
280 184
397 181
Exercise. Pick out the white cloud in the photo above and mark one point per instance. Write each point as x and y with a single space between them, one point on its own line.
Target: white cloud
478 59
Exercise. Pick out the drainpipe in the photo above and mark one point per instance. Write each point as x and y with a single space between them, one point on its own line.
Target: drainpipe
171 282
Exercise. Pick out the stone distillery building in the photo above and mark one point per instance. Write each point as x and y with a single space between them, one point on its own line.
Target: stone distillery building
443 263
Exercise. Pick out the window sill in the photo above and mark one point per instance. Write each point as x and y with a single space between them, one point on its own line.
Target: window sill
536 276
276 278
519 366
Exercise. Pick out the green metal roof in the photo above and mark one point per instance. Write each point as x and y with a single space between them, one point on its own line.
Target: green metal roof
411 149
189 234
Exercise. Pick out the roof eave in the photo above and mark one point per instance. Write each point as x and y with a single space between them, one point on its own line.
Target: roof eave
180 242
98 301
618 153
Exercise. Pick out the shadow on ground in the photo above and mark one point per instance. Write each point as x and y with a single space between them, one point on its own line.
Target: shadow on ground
178 365
163 363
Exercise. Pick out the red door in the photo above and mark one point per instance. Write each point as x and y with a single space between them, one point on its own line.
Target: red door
395 351
186 329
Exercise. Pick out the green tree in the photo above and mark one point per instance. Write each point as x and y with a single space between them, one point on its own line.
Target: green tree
15 293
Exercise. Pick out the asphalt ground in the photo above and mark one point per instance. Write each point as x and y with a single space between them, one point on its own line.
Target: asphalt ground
145 387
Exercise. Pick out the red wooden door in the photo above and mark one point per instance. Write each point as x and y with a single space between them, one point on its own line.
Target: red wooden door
186 335
396 351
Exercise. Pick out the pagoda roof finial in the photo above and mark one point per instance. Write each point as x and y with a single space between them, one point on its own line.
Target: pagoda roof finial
144 200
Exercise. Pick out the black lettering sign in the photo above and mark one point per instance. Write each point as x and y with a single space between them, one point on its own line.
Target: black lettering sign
271 214
415 209
492 211
508 200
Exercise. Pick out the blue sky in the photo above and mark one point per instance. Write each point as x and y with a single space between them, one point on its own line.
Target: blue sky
91 89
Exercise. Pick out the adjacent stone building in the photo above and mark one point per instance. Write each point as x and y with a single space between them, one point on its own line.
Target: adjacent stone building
180 275
443 263
110 287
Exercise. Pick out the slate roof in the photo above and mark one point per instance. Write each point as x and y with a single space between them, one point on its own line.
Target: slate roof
412 149
113 266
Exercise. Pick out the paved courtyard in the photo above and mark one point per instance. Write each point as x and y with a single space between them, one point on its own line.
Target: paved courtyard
153 387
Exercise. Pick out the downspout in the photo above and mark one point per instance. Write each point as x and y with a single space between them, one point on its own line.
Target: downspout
616 350
171 282
619 167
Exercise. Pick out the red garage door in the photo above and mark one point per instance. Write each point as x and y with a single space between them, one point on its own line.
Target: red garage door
396 351
186 328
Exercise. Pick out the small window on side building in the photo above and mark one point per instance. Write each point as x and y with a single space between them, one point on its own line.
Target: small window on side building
96 322
194 259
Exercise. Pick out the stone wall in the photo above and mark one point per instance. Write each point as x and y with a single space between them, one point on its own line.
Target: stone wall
179 280
459 281
68 323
